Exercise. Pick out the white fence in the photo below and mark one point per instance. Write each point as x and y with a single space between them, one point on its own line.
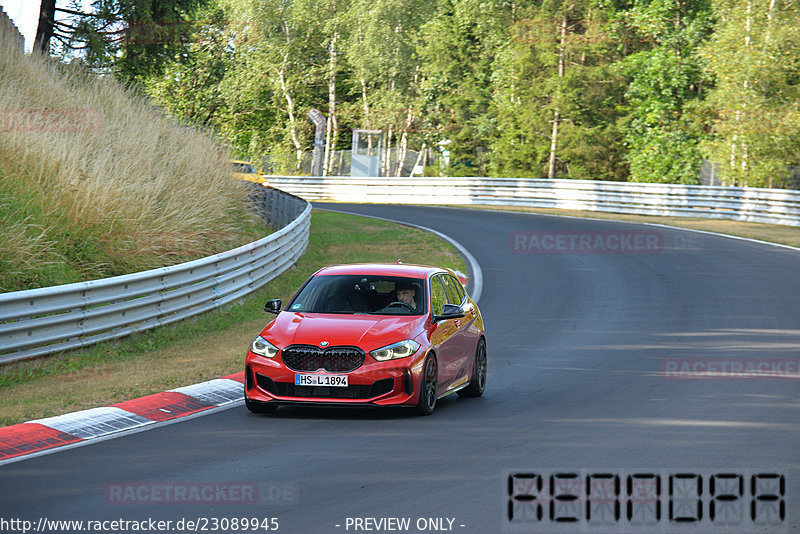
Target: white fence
775 206
40 321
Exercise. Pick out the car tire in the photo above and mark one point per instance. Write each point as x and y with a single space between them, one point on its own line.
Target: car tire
427 386
478 381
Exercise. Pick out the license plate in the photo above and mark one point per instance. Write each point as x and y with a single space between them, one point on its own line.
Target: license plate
339 381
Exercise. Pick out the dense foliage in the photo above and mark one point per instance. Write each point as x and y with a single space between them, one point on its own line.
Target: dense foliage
642 90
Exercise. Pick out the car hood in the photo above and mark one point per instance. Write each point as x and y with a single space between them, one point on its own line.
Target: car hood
366 331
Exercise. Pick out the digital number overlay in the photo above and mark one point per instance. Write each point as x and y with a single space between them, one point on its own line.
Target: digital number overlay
645 501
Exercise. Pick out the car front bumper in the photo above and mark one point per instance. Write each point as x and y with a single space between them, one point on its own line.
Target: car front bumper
391 383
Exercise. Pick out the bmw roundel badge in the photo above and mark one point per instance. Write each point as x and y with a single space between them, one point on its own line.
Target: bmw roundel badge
323 343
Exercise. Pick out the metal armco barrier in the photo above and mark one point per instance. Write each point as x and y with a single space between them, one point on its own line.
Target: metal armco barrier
776 206
40 321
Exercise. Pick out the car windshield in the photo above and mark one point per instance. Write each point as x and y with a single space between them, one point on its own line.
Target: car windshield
361 294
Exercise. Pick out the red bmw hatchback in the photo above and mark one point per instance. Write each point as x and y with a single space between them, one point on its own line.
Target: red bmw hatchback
376 335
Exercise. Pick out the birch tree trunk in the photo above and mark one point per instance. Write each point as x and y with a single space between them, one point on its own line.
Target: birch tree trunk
365 102
401 154
767 44
290 109
420 158
551 167
386 160
367 119
738 135
332 126
290 106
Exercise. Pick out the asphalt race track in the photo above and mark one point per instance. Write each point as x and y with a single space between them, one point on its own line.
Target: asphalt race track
592 328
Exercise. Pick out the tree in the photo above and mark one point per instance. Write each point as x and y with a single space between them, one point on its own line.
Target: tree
382 53
132 37
557 94
754 56
277 47
459 48
190 86
46 26
666 80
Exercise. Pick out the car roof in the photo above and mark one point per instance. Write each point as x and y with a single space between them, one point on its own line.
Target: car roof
382 269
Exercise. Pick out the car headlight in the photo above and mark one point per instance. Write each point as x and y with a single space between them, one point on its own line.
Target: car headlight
262 347
402 349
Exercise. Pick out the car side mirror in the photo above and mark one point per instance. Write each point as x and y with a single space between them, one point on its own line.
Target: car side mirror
273 306
449 311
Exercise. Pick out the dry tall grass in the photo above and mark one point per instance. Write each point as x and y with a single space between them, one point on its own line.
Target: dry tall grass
94 181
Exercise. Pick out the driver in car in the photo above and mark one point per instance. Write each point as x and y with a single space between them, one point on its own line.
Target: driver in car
407 294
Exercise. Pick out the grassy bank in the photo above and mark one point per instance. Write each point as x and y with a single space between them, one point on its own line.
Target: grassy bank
95 182
208 346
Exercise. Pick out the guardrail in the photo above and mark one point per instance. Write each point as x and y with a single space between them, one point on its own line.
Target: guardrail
776 206
40 321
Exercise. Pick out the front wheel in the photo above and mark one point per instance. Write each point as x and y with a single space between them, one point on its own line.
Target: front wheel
478 382
427 389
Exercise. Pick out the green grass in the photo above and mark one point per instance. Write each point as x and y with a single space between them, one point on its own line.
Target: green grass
210 345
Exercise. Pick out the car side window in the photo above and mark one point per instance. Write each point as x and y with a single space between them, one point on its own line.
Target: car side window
453 296
461 290
438 295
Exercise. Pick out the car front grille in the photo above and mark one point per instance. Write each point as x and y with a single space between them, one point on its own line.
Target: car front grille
288 389
331 359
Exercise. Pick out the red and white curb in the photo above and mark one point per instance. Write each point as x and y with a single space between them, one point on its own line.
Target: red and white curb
42 434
